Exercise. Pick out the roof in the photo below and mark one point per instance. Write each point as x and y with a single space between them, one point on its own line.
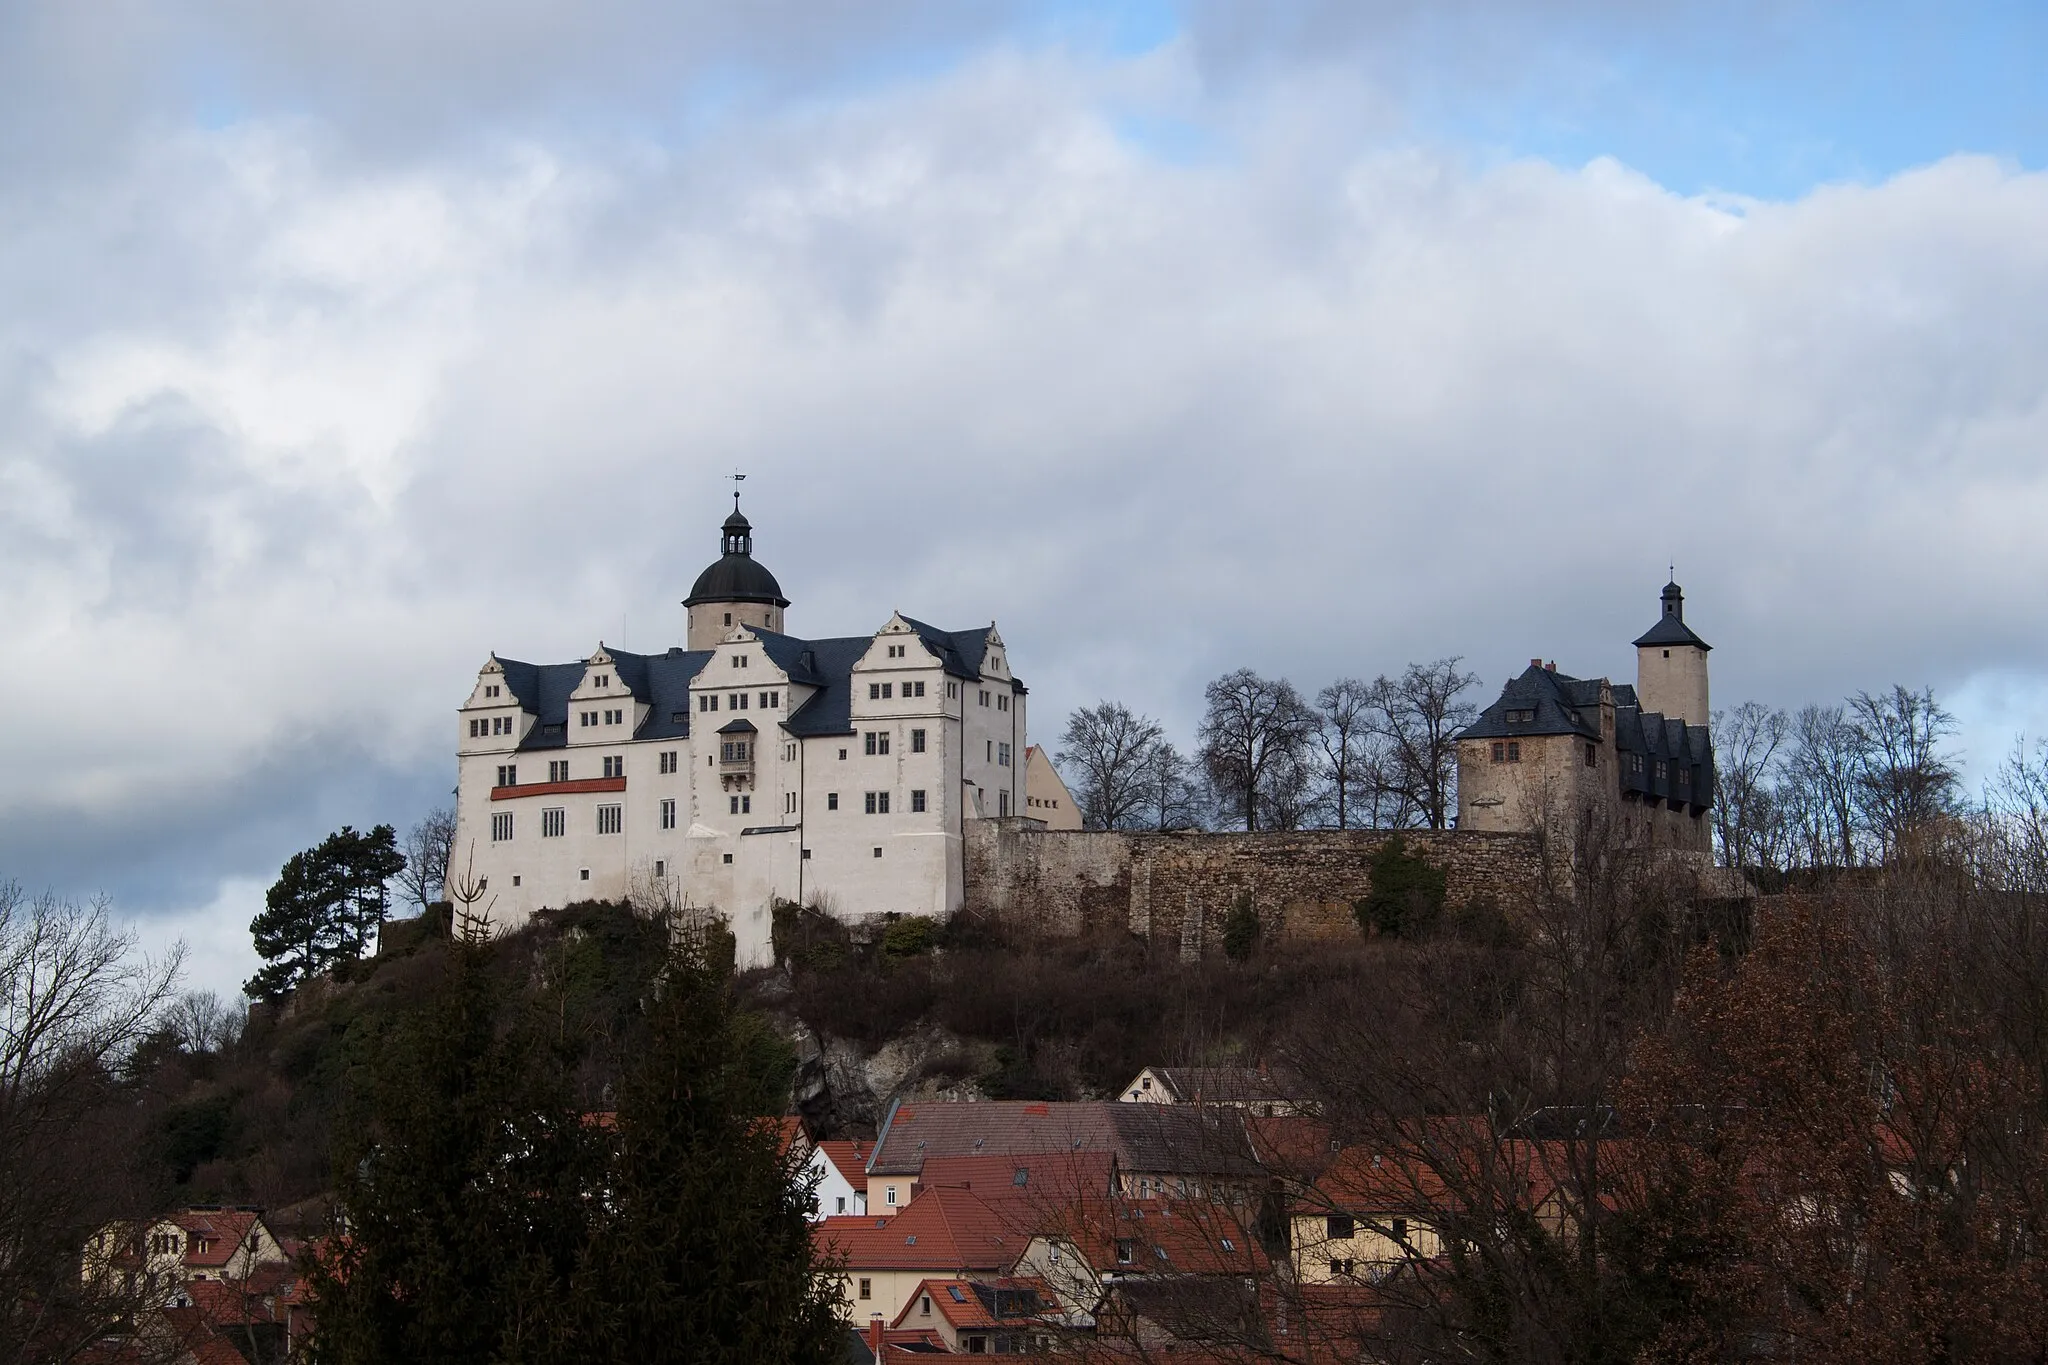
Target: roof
846 1157
960 651
736 576
980 1304
1159 1237
223 1231
1554 703
661 682
1143 1137
947 1230
1671 628
1228 1084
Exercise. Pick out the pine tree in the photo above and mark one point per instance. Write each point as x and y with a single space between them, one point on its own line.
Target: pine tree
705 1253
465 1189
324 908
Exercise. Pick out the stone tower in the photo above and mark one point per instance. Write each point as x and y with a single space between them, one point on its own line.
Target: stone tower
737 590
1671 664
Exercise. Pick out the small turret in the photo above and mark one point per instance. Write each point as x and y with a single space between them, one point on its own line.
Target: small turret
1671 663
736 590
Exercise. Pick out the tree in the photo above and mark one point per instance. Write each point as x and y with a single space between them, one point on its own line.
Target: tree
1406 895
1254 739
1343 728
703 1234
1819 784
1746 744
464 1185
75 998
1418 716
324 908
1107 748
202 1022
428 849
1241 929
1904 781
1173 798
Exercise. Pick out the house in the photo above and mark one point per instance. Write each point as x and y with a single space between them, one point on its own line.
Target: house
1367 1214
1153 1151
1563 756
1102 1243
204 1242
1045 795
840 1169
1257 1090
941 1234
997 1316
740 768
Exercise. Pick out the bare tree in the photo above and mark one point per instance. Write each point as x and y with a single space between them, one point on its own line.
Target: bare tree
1417 717
427 850
466 891
1106 748
1343 734
1904 780
203 1022
1819 786
1746 745
1173 797
74 999
1254 739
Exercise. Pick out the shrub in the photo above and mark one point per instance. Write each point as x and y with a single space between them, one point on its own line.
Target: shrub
1407 895
1241 929
911 936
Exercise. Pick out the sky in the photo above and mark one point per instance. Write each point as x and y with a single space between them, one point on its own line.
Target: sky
341 346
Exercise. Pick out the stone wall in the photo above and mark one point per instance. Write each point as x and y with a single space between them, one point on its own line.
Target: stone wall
1175 889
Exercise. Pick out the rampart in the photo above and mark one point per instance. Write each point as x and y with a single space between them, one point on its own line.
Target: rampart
1175 889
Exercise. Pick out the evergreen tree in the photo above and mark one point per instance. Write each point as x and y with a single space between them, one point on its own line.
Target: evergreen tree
1406 897
1241 929
324 908
704 1252
464 1189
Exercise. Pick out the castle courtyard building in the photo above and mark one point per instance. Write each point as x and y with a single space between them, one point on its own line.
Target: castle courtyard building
744 767
1563 756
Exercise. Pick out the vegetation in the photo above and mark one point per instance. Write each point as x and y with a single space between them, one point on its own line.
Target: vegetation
324 909
1406 899
1241 929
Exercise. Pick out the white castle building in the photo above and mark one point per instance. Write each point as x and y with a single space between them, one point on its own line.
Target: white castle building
747 767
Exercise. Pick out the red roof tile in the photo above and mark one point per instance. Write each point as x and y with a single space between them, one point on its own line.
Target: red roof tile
945 1230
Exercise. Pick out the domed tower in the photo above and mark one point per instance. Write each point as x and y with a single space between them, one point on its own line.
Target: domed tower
735 591
1671 664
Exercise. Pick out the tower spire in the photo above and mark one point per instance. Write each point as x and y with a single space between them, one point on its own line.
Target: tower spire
737 479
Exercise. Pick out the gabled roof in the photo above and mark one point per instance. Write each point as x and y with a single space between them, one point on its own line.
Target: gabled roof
981 1304
847 1158
222 1230
960 651
1228 1084
946 1230
1158 1237
1555 704
1143 1137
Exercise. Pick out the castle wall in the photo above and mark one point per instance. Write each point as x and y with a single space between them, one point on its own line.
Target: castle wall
1174 890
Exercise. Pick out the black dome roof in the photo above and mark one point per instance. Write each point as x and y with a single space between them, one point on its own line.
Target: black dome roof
736 576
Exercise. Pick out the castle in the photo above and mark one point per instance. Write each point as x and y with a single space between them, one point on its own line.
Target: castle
746 767
1565 756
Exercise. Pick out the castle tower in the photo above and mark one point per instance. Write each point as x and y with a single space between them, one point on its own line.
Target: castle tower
1671 664
737 590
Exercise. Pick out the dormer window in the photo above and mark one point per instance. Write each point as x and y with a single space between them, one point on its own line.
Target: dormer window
1521 717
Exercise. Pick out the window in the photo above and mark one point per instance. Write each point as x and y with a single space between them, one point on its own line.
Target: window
874 691
491 690
668 760
1338 1227
895 651
989 755
924 1309
1514 751
668 817
1592 755
839 1204
770 700
604 680
917 801
728 621
1002 702
842 755
1343 1265
1126 1251
1400 1229
888 690
789 803
728 858
508 776
586 717
867 1287
615 765
501 826
1002 755
913 689
1521 717
878 803
554 821
740 659
615 718
736 702
917 741
878 850
558 770
475 728
889 1196
984 696
877 741
1003 801
611 819
584 874
831 800
952 690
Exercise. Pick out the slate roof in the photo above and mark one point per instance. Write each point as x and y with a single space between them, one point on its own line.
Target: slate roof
662 681
1671 628
1557 704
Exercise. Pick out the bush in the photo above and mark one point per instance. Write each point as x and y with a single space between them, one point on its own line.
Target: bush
1241 929
1407 895
911 936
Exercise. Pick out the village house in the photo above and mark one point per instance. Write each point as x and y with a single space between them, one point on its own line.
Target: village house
743 767
1046 797
204 1242
941 1234
1256 1090
994 1316
840 1170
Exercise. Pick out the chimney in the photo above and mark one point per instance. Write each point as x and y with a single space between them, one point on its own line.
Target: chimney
1535 663
1550 667
875 1337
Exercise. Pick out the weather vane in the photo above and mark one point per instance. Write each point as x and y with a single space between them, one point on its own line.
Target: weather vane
737 479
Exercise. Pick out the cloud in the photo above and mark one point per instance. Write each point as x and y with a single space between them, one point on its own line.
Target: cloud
292 434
